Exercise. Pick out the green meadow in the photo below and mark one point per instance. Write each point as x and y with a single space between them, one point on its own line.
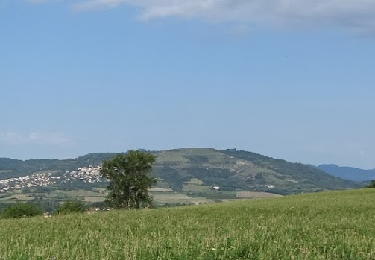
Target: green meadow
327 225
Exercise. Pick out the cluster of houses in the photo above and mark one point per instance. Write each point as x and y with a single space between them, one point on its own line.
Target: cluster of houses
86 174
34 180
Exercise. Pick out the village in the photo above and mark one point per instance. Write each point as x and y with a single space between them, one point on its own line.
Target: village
89 174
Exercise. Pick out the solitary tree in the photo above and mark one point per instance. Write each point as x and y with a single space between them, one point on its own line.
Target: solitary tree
129 179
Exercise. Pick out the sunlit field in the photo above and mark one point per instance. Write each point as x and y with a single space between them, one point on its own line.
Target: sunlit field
331 225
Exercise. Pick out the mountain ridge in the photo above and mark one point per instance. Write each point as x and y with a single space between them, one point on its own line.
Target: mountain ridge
348 173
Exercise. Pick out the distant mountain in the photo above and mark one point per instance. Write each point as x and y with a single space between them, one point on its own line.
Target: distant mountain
200 170
348 173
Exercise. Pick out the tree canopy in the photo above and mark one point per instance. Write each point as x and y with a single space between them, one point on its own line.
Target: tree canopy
129 179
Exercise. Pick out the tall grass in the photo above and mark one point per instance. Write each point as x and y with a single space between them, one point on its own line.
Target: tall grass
332 225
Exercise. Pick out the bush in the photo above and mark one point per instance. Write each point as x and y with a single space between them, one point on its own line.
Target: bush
69 206
21 210
371 185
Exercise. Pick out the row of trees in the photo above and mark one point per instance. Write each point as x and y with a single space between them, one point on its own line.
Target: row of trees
21 210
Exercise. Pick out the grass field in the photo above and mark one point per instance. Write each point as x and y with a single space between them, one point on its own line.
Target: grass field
329 225
174 198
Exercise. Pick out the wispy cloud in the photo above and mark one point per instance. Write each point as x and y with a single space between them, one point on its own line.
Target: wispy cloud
10 138
38 1
14 138
96 4
355 15
358 15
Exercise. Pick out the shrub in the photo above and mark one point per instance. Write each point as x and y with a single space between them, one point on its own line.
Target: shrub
20 210
371 185
69 206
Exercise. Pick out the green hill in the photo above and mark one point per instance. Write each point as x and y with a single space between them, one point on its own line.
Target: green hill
327 225
241 170
197 171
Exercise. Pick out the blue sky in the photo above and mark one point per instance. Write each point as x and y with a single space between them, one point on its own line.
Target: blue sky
290 79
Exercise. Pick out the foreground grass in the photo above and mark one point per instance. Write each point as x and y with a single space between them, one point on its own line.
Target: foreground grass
332 225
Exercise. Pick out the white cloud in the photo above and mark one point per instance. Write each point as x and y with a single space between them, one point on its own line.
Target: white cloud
38 1
358 15
96 4
13 138
48 138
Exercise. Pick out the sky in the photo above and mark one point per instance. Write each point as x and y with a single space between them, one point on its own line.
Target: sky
290 79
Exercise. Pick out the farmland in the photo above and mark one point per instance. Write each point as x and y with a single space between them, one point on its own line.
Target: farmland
162 197
326 225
